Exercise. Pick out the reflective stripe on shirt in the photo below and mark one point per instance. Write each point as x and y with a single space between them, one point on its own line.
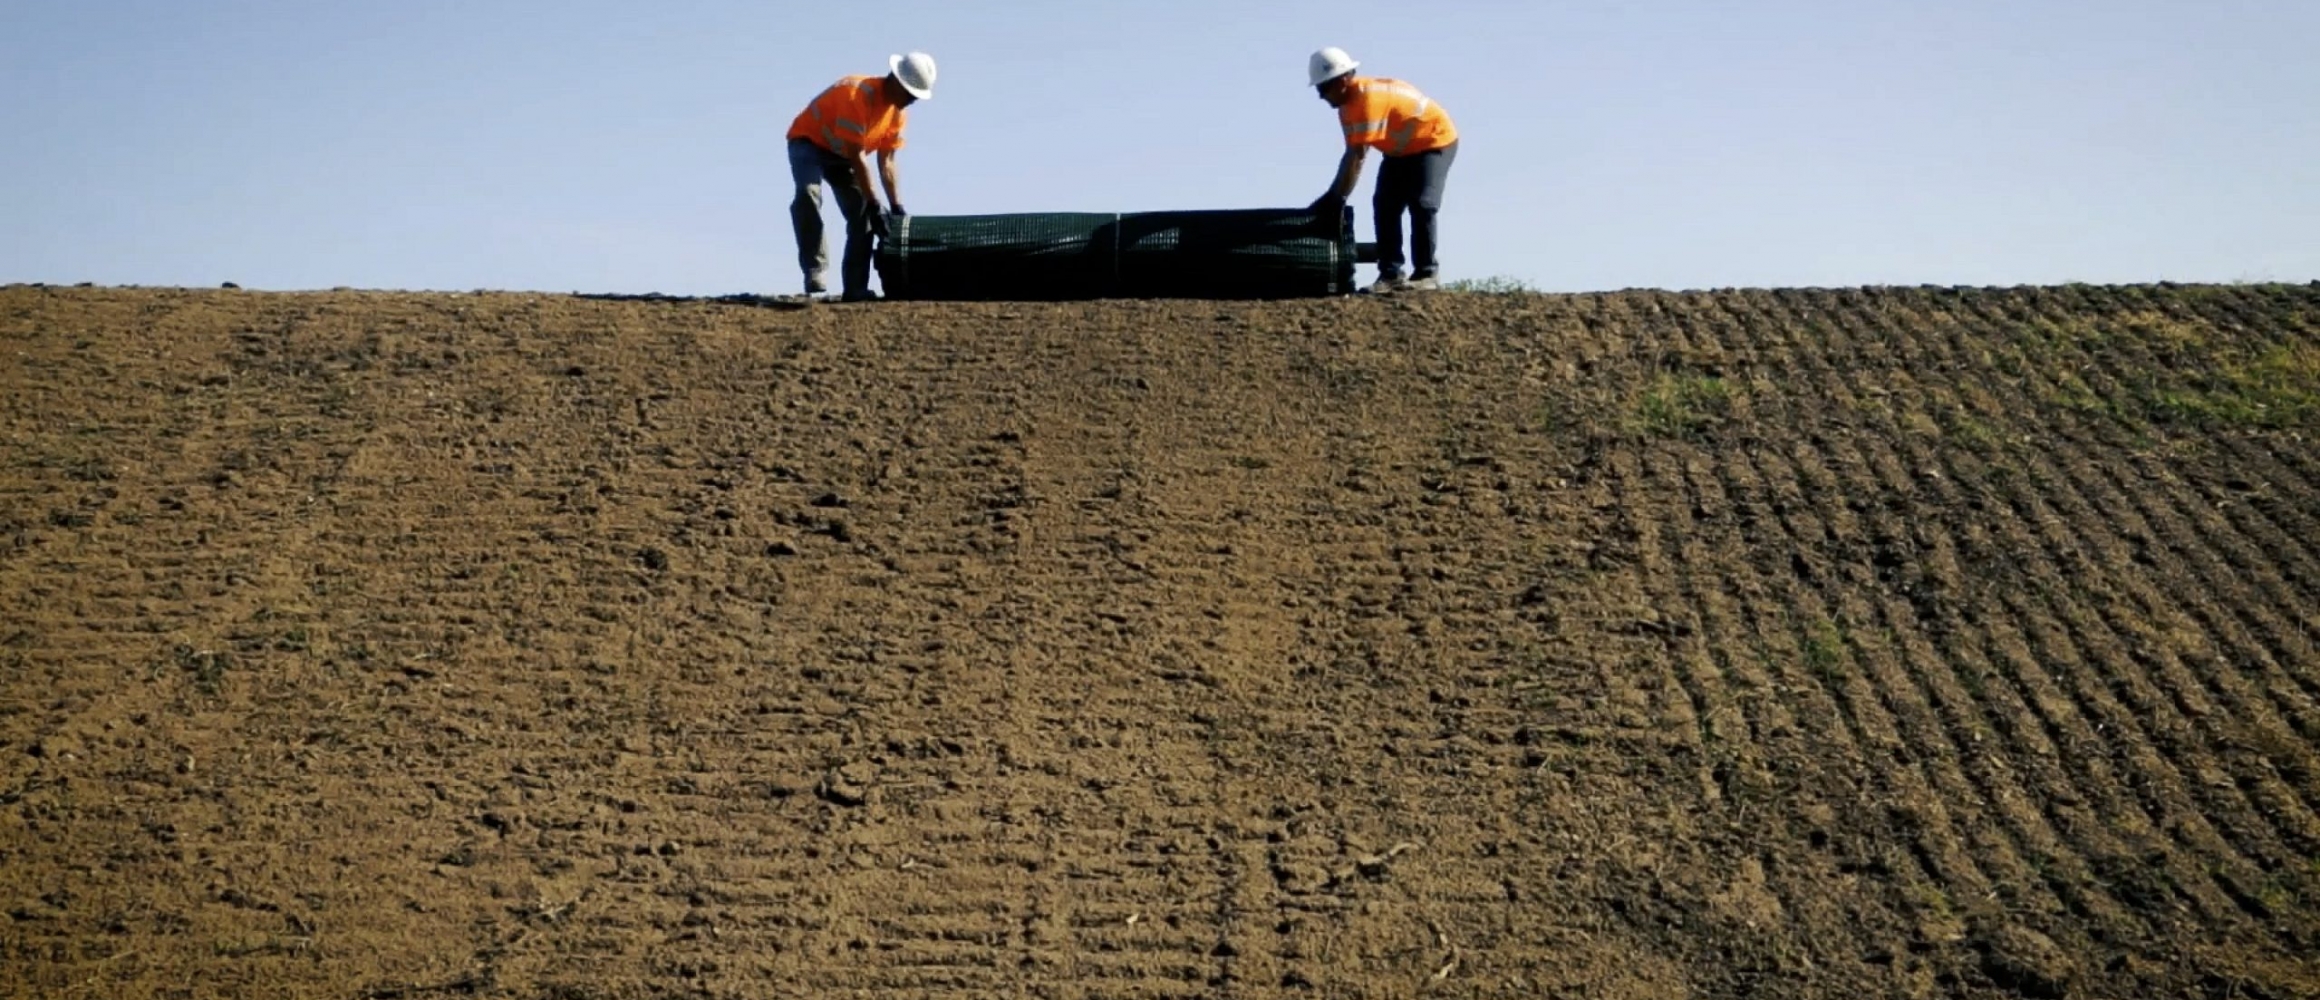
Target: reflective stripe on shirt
1401 119
850 117
1398 142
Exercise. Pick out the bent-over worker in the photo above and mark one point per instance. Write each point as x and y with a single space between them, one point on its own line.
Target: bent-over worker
1419 143
831 142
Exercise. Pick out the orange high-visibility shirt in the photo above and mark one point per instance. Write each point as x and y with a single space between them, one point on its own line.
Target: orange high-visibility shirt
852 116
1394 117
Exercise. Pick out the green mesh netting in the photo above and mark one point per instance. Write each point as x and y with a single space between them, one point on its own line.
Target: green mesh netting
1242 254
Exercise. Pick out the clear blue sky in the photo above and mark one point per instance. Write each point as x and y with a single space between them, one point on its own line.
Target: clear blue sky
601 146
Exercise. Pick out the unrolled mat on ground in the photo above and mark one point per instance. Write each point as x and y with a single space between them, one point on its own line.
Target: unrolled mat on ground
1235 254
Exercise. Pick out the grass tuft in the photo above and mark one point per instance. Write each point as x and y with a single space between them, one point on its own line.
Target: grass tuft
1497 284
1825 650
2278 388
1682 405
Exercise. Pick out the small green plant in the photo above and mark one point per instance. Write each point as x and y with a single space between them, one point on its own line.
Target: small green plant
1497 284
1681 405
1824 650
2176 338
2073 393
1972 431
2276 896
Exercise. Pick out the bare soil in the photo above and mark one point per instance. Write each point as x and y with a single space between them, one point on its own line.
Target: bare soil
1887 642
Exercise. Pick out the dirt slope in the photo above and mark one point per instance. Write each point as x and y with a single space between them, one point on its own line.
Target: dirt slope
1778 644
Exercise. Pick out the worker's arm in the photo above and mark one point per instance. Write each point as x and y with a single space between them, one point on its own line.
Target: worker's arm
863 183
1348 175
892 177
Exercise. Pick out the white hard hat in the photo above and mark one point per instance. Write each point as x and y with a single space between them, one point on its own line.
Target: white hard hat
916 71
1329 64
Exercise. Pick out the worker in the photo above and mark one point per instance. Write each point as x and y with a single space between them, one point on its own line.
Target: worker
831 142
1419 143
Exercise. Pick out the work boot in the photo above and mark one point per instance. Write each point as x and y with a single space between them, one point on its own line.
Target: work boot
816 285
1422 283
1386 284
861 296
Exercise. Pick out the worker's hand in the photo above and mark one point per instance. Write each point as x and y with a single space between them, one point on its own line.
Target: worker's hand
898 211
878 225
1327 204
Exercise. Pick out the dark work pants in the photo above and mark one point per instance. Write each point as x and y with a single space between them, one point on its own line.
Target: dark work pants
1410 184
811 166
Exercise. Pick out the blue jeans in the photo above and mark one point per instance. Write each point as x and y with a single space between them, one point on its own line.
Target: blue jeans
811 166
1413 184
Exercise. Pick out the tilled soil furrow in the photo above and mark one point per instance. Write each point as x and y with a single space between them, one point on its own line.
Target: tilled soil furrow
2251 530
2126 505
2245 316
1773 643
2250 796
2255 488
1948 744
2248 672
2071 837
1957 480
2026 669
1736 731
2154 714
2177 735
1929 835
1780 790
1689 705
1131 662
1320 917
2083 649
1715 727
2248 529
2291 675
1870 929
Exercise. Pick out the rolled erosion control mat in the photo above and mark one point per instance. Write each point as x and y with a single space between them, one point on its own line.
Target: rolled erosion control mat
1260 253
